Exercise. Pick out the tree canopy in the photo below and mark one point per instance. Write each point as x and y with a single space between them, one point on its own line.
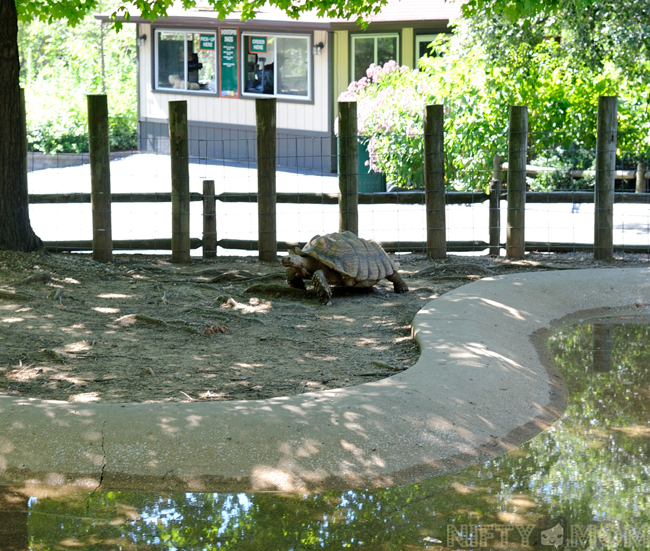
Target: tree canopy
594 32
74 10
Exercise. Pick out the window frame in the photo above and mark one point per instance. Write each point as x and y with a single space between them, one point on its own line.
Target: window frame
309 36
418 38
376 35
155 52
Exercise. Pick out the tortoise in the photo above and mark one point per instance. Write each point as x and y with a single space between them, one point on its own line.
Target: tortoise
341 259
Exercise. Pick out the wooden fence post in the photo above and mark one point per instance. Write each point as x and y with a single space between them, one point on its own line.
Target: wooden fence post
605 174
179 149
100 177
517 148
495 207
348 167
209 220
641 182
265 110
434 180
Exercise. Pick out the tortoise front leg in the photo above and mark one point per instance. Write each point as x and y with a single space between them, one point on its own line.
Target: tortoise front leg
294 280
398 283
322 287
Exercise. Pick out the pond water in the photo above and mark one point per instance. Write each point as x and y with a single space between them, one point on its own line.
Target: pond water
584 483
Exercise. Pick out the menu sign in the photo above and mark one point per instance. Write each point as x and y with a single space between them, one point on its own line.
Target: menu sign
229 42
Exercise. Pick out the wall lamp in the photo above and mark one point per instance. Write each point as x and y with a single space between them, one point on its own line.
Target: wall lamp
141 40
317 48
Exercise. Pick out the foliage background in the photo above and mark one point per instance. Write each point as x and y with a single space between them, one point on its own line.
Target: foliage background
545 61
60 65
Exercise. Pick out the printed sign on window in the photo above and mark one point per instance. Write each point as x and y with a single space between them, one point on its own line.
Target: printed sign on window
207 41
257 45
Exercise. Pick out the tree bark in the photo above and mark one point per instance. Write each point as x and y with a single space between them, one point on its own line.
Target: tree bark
16 232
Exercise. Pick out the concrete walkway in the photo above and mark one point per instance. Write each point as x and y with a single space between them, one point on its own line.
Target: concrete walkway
479 388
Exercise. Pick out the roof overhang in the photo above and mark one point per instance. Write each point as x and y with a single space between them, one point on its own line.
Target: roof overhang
397 13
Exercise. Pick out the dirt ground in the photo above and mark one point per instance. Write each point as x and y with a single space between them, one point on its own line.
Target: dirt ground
142 329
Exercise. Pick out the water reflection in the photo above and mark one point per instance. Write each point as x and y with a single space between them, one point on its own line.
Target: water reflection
585 482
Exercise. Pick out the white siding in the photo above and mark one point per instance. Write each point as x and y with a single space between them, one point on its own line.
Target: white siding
212 109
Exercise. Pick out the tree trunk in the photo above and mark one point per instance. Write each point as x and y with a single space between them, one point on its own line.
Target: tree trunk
16 232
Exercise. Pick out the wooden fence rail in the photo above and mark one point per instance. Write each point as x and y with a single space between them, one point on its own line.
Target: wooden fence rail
62 198
390 246
387 198
394 198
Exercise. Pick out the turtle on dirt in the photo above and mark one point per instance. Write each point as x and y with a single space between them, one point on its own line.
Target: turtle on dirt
341 259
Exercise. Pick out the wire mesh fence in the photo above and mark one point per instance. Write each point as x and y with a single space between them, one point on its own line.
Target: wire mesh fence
560 209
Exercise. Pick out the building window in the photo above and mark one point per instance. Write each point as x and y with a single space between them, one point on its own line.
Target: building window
422 43
368 49
186 61
277 65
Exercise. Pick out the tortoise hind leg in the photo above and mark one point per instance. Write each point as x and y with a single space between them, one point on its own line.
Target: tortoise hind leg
294 280
322 287
398 283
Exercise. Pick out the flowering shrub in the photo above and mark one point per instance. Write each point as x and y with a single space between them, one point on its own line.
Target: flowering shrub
390 105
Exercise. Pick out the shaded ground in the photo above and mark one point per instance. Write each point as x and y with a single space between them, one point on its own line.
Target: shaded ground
144 330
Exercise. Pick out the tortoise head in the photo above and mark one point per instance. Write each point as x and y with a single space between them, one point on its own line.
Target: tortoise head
291 260
303 265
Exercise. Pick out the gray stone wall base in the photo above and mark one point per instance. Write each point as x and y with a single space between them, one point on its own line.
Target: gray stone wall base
42 161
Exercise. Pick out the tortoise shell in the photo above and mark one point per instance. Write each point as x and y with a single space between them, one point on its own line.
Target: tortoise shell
350 255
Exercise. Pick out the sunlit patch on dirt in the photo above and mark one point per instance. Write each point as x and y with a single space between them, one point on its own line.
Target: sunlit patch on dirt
340 318
322 358
67 379
76 347
85 397
26 373
209 395
365 341
103 310
248 366
126 321
254 305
